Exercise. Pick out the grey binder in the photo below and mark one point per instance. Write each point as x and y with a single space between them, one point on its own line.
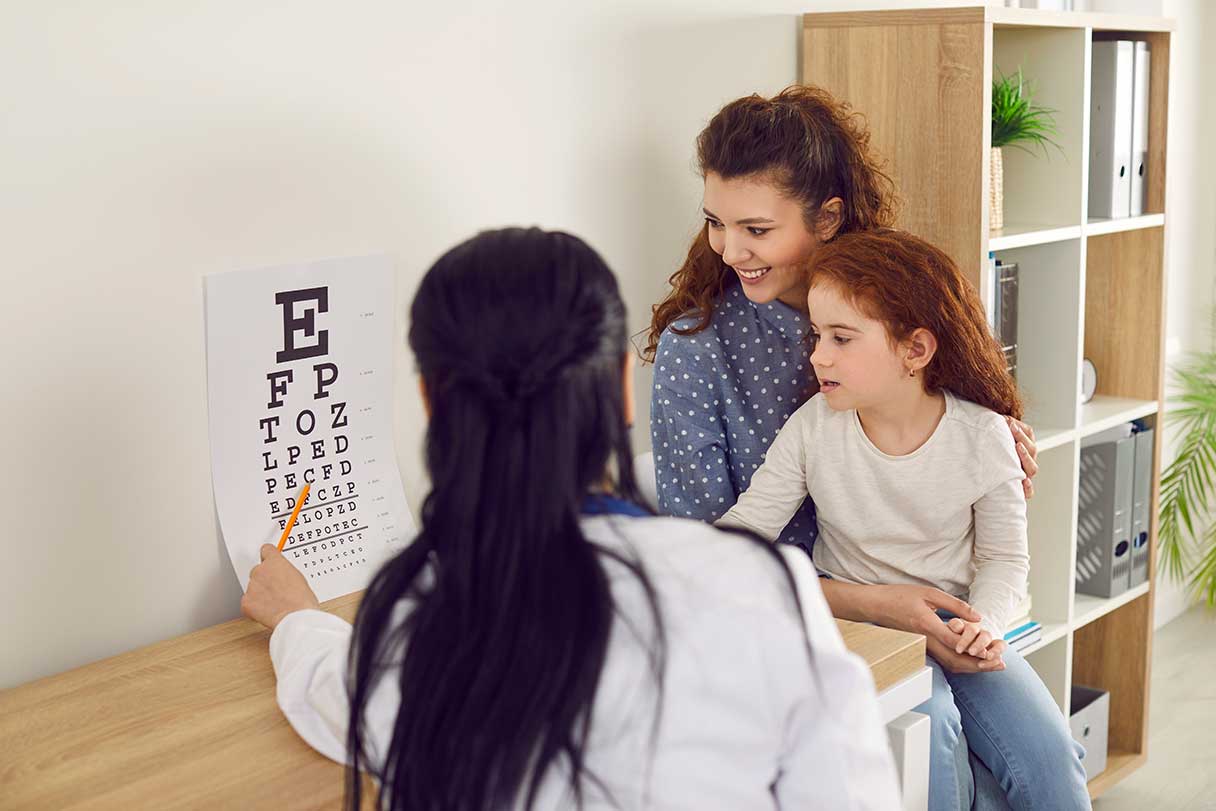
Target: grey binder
1104 518
1142 505
1140 80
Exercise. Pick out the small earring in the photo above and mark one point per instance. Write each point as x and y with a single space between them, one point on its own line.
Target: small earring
911 373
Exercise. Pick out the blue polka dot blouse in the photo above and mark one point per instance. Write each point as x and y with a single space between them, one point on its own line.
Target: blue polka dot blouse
720 397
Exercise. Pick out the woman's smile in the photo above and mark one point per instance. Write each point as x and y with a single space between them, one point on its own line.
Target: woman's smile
750 275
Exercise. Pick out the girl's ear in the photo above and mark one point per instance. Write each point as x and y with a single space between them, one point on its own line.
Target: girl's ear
827 221
919 349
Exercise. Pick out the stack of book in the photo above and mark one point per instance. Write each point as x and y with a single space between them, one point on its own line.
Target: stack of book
1023 631
999 291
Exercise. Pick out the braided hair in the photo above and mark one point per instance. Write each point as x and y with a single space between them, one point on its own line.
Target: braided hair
520 337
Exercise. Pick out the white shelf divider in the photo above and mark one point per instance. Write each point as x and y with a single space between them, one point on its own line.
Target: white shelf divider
1052 660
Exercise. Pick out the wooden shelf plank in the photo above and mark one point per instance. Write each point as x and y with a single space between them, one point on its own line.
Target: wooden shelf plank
1087 608
1104 412
1096 226
1118 766
892 17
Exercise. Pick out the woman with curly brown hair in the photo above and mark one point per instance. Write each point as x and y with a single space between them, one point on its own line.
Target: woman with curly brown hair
912 386
782 176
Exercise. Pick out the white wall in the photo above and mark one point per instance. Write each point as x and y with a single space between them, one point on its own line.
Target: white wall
145 145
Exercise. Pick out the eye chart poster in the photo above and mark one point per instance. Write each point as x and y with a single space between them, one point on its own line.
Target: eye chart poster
299 390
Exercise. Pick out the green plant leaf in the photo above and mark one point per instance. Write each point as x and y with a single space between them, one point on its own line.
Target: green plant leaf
1203 576
1188 484
1016 120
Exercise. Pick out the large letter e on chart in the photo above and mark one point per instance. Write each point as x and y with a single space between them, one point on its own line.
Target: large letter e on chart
305 323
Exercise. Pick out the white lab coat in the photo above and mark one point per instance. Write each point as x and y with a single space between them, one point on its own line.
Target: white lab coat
745 723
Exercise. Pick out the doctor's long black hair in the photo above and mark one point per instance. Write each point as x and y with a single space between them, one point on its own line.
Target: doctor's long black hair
520 338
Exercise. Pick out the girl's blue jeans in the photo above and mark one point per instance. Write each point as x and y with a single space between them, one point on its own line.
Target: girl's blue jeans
1013 727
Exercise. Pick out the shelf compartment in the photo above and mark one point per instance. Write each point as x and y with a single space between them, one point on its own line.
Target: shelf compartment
1158 106
1125 311
1044 186
1051 661
1051 518
1112 653
1097 226
1104 412
1049 340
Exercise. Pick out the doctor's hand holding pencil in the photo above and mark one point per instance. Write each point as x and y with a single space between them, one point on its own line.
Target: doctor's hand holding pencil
276 587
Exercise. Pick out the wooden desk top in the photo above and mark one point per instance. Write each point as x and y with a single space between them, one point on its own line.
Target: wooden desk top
892 655
192 723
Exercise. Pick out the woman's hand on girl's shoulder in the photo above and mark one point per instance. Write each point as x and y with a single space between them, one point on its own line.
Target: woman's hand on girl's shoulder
276 588
1028 453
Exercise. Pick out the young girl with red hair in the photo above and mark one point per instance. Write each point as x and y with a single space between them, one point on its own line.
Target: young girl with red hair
916 481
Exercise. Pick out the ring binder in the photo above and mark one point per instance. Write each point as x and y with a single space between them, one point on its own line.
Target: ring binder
1110 133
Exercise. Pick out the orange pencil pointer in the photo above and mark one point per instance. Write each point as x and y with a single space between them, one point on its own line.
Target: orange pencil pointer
291 522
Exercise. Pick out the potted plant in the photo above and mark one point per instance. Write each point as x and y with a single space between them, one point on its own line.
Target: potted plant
1016 121
1188 484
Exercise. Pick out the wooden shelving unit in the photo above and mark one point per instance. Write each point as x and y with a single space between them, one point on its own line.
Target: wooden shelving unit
1089 288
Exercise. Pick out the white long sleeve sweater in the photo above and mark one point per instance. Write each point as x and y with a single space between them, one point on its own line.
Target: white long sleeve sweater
951 514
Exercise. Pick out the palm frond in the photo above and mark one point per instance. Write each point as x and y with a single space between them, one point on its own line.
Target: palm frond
1188 483
1203 576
